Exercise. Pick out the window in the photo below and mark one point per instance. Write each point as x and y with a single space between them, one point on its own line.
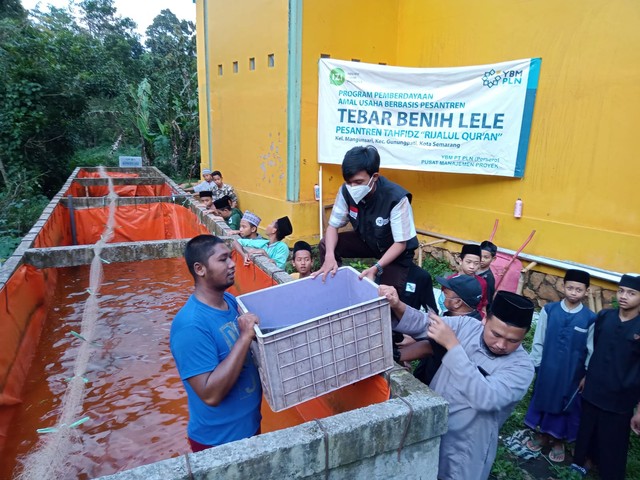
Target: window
252 63
235 67
271 60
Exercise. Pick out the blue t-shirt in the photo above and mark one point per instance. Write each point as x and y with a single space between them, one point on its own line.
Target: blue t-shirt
202 337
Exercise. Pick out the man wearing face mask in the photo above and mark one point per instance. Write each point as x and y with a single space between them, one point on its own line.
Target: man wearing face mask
379 212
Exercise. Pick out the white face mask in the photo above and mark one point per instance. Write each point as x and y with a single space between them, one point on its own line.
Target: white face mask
358 192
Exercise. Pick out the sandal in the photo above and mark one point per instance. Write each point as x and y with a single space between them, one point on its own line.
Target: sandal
582 471
536 443
523 452
556 454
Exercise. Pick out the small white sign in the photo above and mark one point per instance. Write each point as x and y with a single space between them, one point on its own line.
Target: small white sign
130 161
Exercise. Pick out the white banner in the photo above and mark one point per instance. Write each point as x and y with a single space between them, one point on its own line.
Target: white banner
461 120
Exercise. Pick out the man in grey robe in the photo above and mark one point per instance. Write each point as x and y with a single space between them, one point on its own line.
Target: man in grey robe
483 375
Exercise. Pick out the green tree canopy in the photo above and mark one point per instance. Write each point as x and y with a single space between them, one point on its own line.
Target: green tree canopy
79 81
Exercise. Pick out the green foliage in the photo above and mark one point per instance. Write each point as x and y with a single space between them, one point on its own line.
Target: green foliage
65 90
528 338
21 204
561 472
504 468
633 458
7 246
103 155
361 264
436 268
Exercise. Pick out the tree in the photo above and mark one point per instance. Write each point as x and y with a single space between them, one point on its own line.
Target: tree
66 79
171 45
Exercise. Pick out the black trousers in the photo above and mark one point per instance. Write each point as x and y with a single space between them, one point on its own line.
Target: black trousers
350 245
604 438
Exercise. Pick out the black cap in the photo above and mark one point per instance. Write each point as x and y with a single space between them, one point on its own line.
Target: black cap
301 245
577 276
512 309
284 227
489 247
471 250
465 286
630 281
206 193
223 202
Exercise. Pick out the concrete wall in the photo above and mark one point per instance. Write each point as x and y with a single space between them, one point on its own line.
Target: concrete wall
361 445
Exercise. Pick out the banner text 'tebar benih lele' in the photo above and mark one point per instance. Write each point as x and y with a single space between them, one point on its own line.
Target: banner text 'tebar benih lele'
460 120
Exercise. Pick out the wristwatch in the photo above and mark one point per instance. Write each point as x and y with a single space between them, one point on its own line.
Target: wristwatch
379 268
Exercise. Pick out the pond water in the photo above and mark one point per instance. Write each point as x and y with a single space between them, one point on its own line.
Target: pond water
134 398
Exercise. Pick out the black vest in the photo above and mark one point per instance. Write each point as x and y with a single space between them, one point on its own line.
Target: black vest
370 217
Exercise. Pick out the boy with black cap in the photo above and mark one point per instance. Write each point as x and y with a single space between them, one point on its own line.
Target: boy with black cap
559 352
469 263
483 375
206 197
488 252
302 260
231 216
272 247
612 386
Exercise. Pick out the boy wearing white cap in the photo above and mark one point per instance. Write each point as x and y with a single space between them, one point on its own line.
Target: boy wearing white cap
207 183
249 226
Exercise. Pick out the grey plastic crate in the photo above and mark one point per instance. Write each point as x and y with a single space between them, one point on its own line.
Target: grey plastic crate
316 337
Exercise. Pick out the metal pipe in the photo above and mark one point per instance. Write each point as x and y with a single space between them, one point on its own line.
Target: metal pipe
72 218
608 275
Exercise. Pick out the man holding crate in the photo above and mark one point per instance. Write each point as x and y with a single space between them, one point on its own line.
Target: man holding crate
210 344
382 219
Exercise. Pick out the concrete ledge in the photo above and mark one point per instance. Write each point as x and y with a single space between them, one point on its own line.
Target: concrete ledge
142 171
87 182
71 256
97 202
360 444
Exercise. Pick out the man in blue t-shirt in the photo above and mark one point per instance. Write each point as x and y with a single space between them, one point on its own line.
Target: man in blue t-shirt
210 344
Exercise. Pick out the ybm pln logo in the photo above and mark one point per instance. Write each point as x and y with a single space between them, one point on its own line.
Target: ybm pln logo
492 78
336 76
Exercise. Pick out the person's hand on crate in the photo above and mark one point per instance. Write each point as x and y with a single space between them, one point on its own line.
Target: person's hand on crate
330 265
370 273
246 322
390 294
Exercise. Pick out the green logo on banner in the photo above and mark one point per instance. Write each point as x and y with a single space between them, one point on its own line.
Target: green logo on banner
336 77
